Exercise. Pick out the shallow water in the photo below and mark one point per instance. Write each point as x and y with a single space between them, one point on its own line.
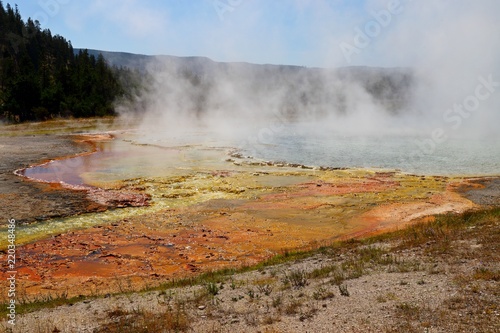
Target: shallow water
122 159
409 153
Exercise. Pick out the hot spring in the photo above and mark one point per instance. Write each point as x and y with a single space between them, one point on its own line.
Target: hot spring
135 156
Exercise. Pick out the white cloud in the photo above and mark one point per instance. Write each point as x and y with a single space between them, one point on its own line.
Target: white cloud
132 18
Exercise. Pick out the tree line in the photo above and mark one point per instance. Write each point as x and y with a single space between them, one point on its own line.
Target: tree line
41 77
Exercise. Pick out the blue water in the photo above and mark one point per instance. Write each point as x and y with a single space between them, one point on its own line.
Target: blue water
118 160
409 153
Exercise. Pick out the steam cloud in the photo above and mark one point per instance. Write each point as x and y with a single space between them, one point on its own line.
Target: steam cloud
429 59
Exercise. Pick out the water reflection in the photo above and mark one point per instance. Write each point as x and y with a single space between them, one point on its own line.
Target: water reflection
121 159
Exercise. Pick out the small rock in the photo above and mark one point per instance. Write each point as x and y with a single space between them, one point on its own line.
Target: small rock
201 307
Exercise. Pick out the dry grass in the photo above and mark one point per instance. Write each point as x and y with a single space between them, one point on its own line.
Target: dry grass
293 307
296 278
455 239
438 239
281 294
172 319
486 274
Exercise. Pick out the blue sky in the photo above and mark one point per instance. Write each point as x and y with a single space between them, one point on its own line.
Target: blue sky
299 32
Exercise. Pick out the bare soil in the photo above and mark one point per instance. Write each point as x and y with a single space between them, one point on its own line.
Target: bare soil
29 201
431 278
487 194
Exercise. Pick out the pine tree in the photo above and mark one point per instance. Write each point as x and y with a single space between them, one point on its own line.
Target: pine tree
42 78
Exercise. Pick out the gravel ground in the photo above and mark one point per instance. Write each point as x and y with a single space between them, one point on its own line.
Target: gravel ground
416 293
489 195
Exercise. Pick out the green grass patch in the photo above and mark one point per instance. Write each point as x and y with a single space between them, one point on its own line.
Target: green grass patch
438 231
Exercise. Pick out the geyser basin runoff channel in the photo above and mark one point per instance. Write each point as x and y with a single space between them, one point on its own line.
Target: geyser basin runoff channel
208 211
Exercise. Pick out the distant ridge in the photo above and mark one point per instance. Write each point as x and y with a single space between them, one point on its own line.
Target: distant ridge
140 61
318 89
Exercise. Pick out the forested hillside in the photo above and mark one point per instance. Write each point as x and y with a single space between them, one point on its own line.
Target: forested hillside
41 77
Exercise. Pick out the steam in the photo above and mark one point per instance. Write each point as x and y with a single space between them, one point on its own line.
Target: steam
451 45
430 58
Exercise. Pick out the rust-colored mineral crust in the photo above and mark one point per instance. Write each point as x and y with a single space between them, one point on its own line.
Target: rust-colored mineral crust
228 216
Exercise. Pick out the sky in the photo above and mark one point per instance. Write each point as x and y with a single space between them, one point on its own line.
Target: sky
312 33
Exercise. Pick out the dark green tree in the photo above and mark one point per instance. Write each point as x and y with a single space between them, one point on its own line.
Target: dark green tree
41 77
